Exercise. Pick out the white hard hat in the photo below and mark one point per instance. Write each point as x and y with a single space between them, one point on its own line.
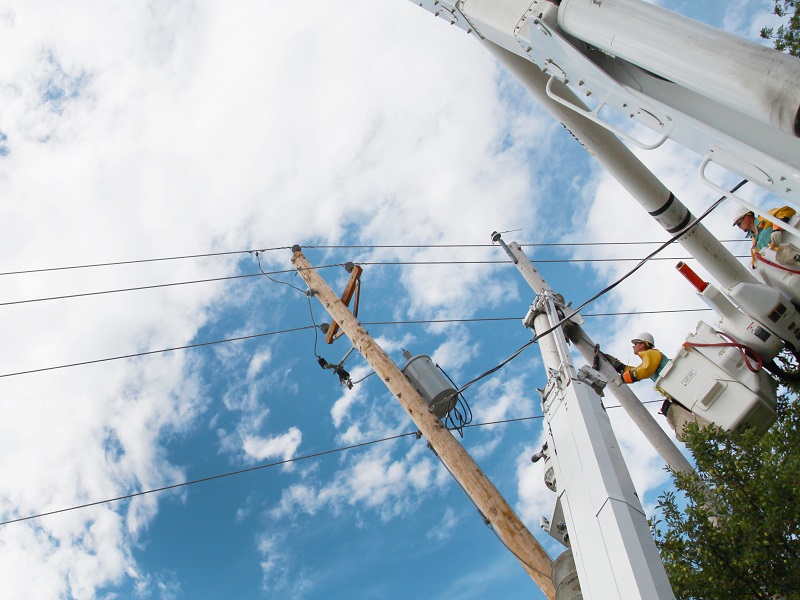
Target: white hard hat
644 337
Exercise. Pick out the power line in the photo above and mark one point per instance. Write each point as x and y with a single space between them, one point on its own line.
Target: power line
341 247
296 329
239 472
539 245
133 289
149 352
286 271
205 479
162 285
141 260
278 463
538 260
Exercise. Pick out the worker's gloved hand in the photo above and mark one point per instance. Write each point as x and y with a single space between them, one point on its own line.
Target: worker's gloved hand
618 365
629 377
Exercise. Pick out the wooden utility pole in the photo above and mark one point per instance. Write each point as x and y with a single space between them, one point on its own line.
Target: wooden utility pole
495 510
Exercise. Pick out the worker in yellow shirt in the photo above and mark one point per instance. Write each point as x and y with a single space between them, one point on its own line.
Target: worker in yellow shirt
653 360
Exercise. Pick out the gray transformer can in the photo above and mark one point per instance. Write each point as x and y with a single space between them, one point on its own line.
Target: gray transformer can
431 384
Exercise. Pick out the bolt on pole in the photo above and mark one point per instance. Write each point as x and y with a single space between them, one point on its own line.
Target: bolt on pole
495 510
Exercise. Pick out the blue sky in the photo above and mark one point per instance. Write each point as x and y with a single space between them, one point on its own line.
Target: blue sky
152 130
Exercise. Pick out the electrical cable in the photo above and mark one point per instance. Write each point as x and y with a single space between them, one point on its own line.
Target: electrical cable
363 378
260 268
310 308
460 413
138 261
134 289
232 252
265 466
292 330
206 479
314 324
538 245
538 261
744 350
164 285
237 472
675 237
150 352
284 271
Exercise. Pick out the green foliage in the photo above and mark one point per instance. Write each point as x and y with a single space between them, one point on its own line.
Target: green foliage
787 37
733 530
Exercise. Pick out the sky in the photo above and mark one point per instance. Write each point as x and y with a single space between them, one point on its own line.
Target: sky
364 131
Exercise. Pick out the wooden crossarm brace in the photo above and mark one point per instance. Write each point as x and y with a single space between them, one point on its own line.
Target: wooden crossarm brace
352 284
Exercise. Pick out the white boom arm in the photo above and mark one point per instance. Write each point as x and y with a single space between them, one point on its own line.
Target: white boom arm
734 102
560 70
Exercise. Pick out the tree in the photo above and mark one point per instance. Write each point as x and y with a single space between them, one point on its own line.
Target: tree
733 529
787 38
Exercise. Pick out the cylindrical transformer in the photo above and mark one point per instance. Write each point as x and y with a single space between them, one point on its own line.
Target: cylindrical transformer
431 384
757 81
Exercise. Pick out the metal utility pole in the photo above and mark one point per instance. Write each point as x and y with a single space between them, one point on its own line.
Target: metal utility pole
614 552
624 395
493 507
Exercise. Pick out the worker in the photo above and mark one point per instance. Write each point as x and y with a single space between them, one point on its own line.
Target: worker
653 361
759 230
762 231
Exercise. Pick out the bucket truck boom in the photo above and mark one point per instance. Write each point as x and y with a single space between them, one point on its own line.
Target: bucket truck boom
635 61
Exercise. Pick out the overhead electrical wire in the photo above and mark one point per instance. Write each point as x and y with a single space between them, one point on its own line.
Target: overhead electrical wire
538 245
342 247
315 327
161 285
278 463
135 289
468 384
292 271
139 261
150 352
239 472
267 275
538 260
205 479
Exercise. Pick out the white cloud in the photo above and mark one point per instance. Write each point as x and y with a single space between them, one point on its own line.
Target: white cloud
500 398
283 446
258 362
373 480
445 527
455 353
278 576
